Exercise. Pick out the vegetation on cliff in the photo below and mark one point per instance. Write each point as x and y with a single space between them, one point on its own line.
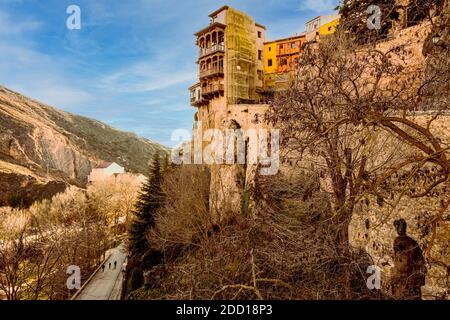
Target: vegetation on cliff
43 147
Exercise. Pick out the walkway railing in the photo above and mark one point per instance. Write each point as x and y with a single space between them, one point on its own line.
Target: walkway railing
211 72
214 48
85 284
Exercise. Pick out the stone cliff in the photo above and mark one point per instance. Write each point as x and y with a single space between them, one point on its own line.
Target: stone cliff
43 149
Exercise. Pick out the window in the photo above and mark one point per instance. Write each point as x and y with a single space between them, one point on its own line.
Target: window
269 62
270 48
293 45
259 54
283 62
259 34
329 28
260 75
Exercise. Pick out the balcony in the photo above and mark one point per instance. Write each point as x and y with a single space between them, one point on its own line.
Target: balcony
196 96
213 89
211 72
196 102
213 49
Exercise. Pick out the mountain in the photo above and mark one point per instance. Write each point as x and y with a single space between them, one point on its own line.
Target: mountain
43 149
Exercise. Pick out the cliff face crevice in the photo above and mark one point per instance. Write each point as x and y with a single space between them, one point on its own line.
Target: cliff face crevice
55 152
58 146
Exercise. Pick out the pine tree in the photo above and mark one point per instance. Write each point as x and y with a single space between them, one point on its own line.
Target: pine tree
150 200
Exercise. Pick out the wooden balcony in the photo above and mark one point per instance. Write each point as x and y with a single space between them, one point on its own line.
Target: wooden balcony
196 96
212 72
195 102
213 49
213 89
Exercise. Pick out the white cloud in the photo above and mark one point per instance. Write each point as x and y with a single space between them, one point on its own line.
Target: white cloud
129 81
38 76
59 96
147 76
318 6
163 81
9 26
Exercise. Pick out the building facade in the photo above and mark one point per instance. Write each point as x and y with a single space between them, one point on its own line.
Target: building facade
281 56
321 26
281 61
105 170
329 27
228 95
238 71
230 61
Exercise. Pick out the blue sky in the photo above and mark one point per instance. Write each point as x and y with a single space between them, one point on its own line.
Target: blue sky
132 61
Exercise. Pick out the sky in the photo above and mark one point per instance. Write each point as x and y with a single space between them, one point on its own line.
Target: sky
132 62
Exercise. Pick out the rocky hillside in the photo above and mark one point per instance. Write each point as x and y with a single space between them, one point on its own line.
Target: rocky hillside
43 149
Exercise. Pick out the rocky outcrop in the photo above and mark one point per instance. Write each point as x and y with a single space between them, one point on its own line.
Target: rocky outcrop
20 190
58 146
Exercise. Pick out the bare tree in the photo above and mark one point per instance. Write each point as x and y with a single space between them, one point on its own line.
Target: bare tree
343 97
13 253
38 244
115 197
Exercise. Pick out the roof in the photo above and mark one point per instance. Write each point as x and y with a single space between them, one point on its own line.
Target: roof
260 25
286 39
194 86
212 15
215 24
327 18
318 17
103 165
215 13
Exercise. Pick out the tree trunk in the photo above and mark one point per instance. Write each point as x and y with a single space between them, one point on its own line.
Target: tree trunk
343 245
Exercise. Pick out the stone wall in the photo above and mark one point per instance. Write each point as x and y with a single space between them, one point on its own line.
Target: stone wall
372 229
372 226
229 183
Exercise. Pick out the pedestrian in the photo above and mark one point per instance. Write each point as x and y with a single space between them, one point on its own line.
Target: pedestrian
103 267
115 264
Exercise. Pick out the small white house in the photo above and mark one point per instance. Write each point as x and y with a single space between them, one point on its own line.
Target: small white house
105 170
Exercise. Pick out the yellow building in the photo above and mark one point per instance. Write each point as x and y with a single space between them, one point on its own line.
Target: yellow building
280 61
270 57
321 26
328 28
270 64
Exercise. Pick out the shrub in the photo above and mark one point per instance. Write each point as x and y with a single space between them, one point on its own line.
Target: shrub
285 252
184 221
